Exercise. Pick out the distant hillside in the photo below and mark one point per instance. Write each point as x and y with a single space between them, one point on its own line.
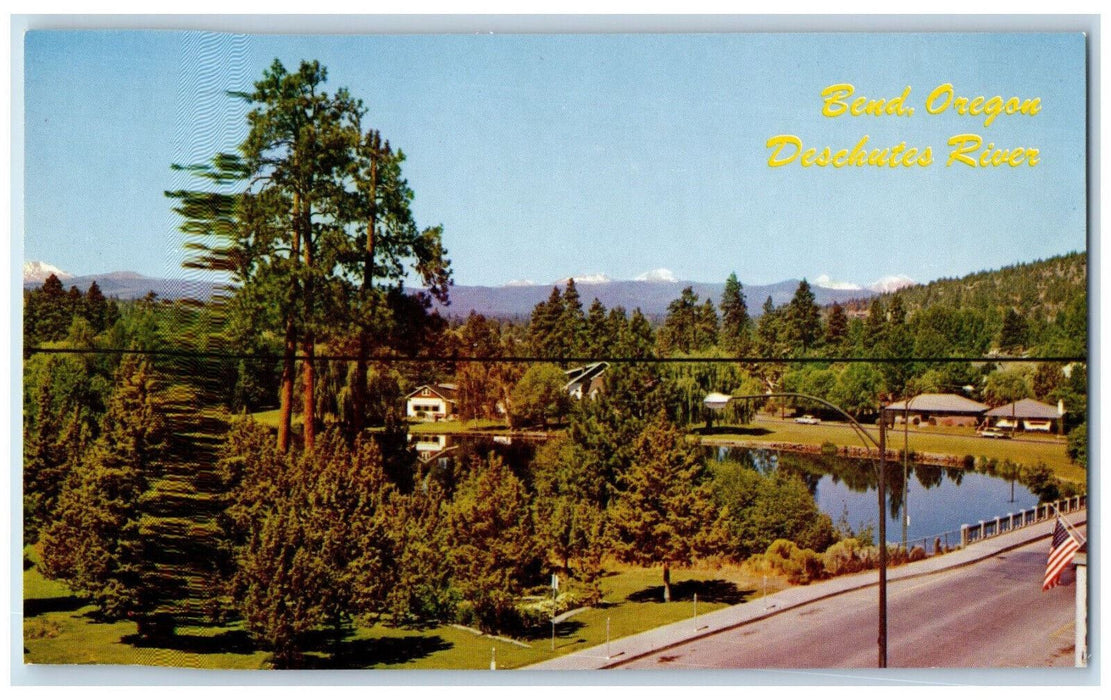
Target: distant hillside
652 298
1040 289
131 285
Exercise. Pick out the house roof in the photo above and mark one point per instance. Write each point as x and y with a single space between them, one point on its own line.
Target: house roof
716 400
1026 408
584 375
446 392
938 403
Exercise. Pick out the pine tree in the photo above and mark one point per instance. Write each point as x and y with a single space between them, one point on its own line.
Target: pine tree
571 326
803 323
734 316
665 513
1013 334
680 329
543 327
599 342
837 327
492 544
706 326
310 537
95 543
94 308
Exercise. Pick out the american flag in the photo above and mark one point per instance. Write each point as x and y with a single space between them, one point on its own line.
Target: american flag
1060 554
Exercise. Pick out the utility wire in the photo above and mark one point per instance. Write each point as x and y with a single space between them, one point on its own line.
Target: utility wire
213 355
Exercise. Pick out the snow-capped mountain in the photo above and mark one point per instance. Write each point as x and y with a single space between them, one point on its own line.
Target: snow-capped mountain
660 274
38 271
891 283
827 282
594 278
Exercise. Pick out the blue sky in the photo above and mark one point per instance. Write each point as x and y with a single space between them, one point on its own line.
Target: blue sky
545 156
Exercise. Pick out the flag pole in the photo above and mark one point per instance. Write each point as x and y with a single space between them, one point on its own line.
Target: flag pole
1072 529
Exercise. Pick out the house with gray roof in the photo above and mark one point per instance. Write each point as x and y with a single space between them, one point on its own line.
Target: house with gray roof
936 409
1027 414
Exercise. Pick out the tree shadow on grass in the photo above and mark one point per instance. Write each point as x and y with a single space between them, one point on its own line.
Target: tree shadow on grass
33 607
379 651
564 630
229 642
713 591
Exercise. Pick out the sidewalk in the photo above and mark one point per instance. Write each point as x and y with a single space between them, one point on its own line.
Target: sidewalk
631 647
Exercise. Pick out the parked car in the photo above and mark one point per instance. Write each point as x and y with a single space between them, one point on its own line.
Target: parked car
808 420
994 433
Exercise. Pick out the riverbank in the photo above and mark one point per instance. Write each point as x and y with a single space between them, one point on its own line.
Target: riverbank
946 447
937 446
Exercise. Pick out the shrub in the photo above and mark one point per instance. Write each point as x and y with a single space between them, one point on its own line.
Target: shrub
917 554
844 557
828 448
800 566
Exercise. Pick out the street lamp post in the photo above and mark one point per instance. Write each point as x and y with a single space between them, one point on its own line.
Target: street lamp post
880 445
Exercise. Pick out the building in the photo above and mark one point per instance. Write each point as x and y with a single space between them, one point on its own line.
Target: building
936 409
431 402
1027 414
585 381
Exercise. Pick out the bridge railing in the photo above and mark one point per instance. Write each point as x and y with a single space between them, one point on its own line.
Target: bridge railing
956 539
1013 521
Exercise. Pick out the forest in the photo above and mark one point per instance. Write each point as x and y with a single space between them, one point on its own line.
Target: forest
152 488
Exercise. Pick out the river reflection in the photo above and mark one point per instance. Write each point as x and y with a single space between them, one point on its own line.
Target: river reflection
939 499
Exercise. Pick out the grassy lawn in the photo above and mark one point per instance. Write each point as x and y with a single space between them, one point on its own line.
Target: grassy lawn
60 628
938 440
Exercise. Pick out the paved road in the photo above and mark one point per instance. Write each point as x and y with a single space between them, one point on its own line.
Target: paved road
989 614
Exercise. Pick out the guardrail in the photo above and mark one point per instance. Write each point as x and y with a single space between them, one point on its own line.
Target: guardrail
1012 521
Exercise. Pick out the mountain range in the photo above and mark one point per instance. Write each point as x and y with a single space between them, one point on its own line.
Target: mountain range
650 292
651 297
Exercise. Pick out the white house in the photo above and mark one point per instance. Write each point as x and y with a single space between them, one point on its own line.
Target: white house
431 402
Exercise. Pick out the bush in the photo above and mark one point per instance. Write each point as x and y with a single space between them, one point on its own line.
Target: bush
828 448
844 557
917 554
800 566
1077 448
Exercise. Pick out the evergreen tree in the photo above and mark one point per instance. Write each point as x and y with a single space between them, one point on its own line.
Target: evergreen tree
875 325
309 535
837 327
734 316
94 308
1013 334
493 553
665 513
543 326
387 237
95 543
706 326
571 326
640 341
599 341
418 526
569 498
47 313
802 321
680 329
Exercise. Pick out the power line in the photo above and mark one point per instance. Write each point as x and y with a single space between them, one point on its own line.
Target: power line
525 359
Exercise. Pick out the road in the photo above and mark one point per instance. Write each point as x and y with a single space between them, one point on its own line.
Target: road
990 614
